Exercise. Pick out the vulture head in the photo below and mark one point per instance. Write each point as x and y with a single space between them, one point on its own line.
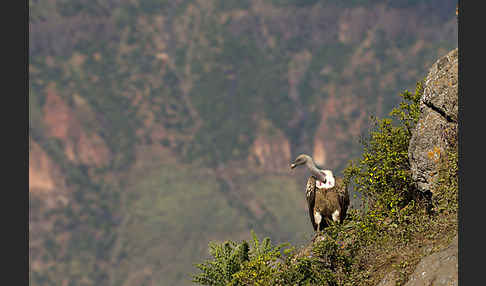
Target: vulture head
304 159
301 160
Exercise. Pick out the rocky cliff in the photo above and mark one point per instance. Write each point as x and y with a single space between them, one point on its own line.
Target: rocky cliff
412 242
436 130
440 268
433 138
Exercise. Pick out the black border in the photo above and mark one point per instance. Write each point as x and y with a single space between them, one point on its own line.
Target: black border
460 134
471 125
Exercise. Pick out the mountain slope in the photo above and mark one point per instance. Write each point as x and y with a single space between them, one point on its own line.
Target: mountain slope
123 93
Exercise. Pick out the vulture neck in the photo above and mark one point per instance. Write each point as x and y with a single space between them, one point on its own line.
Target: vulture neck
315 171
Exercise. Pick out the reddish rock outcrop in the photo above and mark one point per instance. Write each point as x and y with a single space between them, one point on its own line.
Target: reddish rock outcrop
45 177
329 137
271 149
61 122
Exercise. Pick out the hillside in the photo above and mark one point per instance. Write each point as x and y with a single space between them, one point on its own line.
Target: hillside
157 126
404 235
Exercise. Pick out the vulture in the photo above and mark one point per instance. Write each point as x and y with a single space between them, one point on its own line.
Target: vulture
327 196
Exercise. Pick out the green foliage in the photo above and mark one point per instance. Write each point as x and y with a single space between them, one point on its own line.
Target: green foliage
233 4
345 254
382 175
228 258
35 112
69 8
263 264
327 263
393 211
153 6
446 193
298 3
304 271
240 264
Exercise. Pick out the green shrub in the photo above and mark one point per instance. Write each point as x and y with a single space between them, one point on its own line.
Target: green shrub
446 192
327 261
382 175
227 260
238 264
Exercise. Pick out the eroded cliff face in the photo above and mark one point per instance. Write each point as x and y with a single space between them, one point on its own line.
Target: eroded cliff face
46 180
270 150
48 191
341 124
62 122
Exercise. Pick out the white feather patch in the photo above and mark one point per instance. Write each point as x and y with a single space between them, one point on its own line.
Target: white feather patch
330 181
335 216
317 217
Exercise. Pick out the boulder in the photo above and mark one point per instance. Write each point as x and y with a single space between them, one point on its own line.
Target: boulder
389 279
438 269
436 129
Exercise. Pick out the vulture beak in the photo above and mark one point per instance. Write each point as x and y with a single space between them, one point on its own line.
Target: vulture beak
292 165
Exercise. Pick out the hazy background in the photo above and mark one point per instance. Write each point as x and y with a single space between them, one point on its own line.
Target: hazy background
159 125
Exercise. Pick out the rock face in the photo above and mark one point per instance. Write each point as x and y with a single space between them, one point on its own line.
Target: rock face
438 269
389 280
269 142
80 145
434 133
437 126
45 177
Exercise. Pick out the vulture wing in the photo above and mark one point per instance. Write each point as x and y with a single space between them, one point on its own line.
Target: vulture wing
343 198
310 193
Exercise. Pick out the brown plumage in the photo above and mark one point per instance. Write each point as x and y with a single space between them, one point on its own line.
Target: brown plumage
327 196
325 202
